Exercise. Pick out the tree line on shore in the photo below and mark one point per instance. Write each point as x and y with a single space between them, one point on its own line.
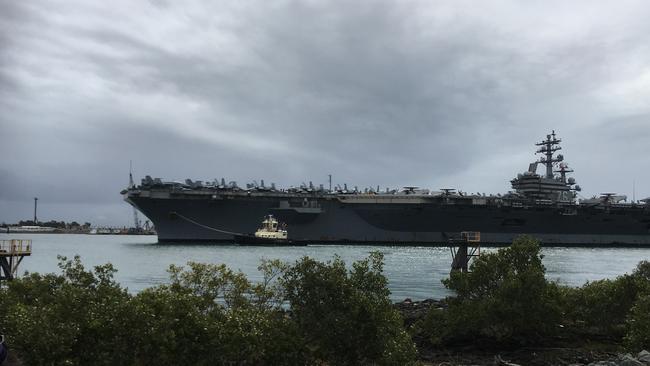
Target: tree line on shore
309 312
73 225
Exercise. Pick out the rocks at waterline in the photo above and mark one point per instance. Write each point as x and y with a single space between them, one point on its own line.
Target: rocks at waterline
413 311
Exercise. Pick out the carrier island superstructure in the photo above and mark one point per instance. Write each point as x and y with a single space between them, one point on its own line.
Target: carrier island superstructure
541 205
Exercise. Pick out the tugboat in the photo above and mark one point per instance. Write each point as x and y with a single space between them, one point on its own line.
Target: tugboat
271 232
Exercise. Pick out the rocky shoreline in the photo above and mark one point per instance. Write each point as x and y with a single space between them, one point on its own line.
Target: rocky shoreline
412 311
606 353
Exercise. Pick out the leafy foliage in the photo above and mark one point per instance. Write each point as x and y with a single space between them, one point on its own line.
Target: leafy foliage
346 317
642 272
638 324
207 314
212 315
504 297
604 305
307 313
68 319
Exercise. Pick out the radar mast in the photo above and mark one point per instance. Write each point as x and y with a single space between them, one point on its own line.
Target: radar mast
548 147
549 186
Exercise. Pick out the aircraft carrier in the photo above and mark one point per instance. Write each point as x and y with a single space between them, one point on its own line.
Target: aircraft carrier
542 205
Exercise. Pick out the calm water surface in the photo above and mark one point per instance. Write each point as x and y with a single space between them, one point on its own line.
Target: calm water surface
413 272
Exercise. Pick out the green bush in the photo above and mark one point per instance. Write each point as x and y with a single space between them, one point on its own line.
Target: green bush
638 325
68 319
212 315
638 320
642 272
604 305
346 317
207 315
504 298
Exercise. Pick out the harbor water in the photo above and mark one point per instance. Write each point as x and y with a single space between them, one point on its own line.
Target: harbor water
412 272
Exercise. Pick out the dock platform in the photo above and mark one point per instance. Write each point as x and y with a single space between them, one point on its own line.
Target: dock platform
12 253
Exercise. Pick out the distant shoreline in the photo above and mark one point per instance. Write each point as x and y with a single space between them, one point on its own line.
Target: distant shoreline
52 230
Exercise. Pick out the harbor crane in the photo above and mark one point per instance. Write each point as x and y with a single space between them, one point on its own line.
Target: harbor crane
136 220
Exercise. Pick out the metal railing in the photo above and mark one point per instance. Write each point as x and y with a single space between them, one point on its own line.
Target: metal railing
16 246
471 236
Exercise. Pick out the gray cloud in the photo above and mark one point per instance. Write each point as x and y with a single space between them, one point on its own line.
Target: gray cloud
388 93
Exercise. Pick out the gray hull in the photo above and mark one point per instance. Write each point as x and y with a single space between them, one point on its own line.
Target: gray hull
330 220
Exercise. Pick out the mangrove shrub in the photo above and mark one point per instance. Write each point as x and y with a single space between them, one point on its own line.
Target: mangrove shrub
638 324
346 317
503 298
306 313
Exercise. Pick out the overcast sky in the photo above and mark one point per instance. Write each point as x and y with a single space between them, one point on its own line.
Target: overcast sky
426 93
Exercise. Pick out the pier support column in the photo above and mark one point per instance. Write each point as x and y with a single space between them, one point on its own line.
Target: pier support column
464 249
5 269
460 259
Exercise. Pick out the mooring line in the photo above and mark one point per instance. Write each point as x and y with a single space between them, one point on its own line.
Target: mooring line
207 227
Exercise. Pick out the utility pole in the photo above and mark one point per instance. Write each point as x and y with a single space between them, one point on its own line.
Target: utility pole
35 205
